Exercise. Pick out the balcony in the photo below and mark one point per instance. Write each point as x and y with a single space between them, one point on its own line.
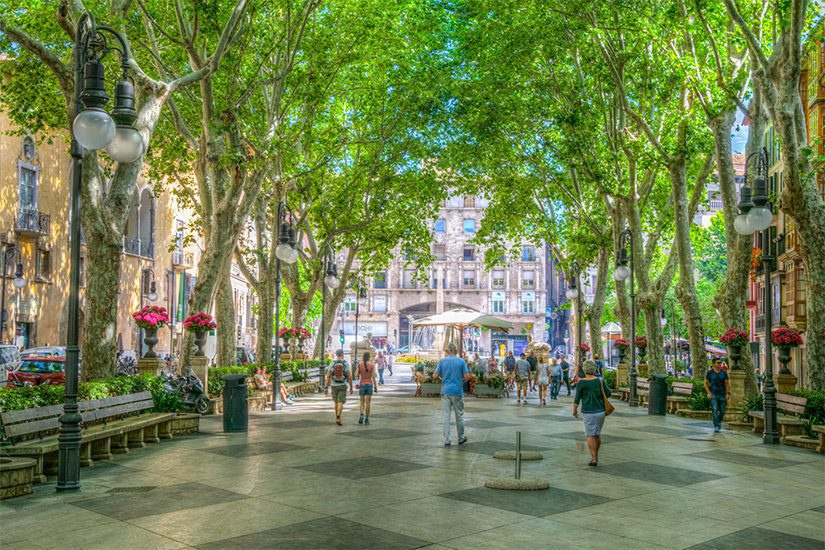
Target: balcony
32 223
182 260
135 247
760 322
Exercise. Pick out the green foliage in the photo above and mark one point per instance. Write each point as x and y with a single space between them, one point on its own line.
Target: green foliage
297 368
710 249
495 381
610 378
814 409
15 399
751 403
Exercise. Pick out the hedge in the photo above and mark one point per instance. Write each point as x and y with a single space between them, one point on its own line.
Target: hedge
216 374
19 398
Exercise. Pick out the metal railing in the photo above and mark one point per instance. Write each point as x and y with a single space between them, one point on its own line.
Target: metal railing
33 221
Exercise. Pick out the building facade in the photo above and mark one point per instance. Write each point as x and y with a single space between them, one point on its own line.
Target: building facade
34 220
516 291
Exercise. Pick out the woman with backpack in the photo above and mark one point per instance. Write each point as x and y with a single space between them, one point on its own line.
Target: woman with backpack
366 387
338 378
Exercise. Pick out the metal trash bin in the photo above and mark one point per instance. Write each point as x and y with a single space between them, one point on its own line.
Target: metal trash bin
235 412
657 396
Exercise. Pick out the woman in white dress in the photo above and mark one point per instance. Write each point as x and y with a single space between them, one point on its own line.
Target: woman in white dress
543 380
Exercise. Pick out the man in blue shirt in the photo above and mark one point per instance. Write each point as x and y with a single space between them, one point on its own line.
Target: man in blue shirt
453 372
717 384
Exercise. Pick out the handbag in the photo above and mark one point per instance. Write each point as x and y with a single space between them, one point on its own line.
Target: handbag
608 406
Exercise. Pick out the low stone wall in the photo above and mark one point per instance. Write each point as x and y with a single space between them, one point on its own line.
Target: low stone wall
16 476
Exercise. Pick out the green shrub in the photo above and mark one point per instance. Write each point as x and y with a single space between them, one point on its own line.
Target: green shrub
610 378
751 403
814 410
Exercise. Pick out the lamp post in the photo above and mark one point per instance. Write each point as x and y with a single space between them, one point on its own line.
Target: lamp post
625 268
284 252
574 293
92 129
330 280
410 319
360 294
9 250
755 214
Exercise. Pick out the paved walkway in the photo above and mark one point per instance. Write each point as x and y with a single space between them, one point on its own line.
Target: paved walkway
296 480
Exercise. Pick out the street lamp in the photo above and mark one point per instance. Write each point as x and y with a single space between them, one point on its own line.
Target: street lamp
360 297
153 288
410 319
9 251
573 293
284 252
92 129
330 280
624 269
755 215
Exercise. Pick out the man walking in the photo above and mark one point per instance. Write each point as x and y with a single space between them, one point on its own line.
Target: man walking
717 384
338 377
453 372
389 362
565 371
533 370
510 369
555 380
522 378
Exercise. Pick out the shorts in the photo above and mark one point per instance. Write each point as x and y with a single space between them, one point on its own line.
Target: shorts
593 423
365 389
544 381
339 394
522 381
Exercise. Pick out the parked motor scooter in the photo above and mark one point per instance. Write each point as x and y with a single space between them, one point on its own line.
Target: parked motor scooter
189 388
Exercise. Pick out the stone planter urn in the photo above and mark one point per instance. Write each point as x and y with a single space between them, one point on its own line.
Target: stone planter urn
642 353
150 338
622 354
784 359
16 476
200 342
735 354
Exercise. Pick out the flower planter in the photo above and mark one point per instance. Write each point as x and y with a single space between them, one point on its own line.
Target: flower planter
200 342
735 354
784 359
151 340
489 391
431 388
16 475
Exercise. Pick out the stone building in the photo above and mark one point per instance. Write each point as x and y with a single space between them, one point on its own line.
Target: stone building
456 279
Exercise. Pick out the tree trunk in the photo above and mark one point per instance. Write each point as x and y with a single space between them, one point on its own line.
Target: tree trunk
266 312
653 330
103 257
730 299
596 309
225 317
685 290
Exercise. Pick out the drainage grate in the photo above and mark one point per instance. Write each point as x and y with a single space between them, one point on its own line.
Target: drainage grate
144 489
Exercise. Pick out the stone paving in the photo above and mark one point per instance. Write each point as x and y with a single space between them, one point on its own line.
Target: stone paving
296 480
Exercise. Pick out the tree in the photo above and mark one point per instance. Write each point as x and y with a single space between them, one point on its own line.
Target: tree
776 71
47 35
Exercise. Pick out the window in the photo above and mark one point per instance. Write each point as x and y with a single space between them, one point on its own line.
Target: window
469 279
528 254
380 280
409 279
44 265
409 255
379 304
27 198
498 278
440 252
498 302
469 201
528 278
349 304
528 302
440 225
434 278
469 253
469 226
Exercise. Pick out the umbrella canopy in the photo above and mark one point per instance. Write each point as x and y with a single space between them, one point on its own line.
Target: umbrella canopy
459 319
612 328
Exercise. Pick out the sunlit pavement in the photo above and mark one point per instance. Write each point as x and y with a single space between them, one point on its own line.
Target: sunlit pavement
296 480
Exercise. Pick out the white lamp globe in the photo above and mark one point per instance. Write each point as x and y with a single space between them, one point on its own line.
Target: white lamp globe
621 273
282 252
93 129
127 145
741 225
19 282
664 321
760 218
572 293
331 281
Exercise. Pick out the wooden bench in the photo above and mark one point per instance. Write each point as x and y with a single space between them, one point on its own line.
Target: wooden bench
820 432
642 389
103 433
681 396
787 422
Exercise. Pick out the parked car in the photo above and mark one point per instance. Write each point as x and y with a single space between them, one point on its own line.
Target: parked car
47 351
39 371
406 349
9 359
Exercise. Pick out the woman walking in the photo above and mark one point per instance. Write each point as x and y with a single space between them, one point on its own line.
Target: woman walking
543 380
591 392
366 387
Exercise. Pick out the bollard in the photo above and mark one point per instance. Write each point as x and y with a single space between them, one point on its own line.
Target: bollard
518 455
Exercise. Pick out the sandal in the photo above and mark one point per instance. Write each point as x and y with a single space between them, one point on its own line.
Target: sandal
593 463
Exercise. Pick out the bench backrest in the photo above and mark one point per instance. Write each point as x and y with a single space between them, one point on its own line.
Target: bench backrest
29 421
102 409
684 388
286 376
643 382
791 403
314 373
